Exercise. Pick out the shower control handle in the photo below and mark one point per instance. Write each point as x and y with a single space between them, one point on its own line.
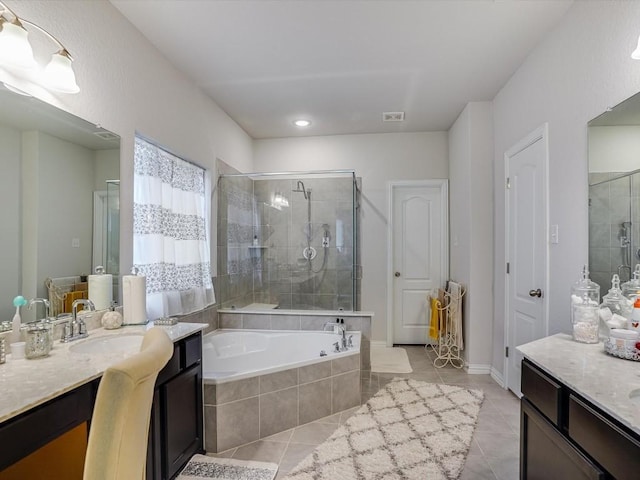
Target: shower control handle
397 274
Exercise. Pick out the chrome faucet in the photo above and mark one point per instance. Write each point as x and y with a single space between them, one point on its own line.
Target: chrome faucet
76 327
43 301
341 330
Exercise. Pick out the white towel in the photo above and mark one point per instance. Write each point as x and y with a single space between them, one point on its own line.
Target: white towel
455 312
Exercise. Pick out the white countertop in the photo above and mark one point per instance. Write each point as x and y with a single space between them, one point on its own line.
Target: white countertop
284 311
26 383
604 380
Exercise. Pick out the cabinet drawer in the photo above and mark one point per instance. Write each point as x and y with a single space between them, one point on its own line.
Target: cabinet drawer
546 454
542 391
609 445
192 351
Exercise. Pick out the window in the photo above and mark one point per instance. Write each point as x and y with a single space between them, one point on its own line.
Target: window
171 206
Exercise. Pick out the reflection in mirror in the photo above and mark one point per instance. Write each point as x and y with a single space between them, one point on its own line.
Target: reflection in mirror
59 186
614 193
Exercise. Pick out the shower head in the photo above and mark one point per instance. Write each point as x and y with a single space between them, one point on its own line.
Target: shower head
300 188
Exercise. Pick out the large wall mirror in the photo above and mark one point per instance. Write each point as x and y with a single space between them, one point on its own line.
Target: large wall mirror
614 193
59 186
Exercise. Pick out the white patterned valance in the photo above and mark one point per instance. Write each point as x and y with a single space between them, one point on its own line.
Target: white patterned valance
171 231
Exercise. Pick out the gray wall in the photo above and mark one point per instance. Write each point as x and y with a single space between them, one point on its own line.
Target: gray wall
471 227
580 69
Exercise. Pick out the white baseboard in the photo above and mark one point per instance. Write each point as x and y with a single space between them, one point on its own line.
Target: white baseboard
497 376
378 343
477 369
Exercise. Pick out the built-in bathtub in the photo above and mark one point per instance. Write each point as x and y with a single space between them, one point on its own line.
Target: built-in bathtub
258 383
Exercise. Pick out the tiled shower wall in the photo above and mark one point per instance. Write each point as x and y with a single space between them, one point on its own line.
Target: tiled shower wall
235 267
274 271
612 201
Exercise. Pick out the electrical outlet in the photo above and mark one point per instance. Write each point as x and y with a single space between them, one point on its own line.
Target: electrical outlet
75 243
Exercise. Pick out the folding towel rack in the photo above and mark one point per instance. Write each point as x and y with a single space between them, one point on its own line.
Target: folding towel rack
448 340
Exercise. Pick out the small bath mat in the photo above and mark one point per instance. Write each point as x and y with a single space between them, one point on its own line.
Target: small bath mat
201 467
390 360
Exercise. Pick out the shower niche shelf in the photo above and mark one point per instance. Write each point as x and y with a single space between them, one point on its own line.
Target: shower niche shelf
255 251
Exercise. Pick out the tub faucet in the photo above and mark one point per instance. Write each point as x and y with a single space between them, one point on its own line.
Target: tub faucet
76 327
340 329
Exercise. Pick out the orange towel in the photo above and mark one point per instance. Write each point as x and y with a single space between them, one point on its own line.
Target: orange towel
434 327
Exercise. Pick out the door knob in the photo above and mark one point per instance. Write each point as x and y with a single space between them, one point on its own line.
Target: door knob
535 293
397 274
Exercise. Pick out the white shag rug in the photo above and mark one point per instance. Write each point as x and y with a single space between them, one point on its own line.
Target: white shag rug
390 360
201 467
409 430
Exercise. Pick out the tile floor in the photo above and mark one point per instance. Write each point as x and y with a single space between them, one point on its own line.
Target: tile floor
494 449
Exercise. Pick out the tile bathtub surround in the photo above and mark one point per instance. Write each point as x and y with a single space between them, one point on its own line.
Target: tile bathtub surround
247 410
272 320
208 315
494 447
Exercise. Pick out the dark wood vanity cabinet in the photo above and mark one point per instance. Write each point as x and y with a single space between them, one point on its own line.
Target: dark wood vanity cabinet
32 430
563 436
175 433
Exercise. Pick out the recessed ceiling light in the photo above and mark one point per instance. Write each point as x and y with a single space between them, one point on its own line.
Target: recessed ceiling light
302 123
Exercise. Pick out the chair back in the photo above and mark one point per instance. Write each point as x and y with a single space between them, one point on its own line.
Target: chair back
119 431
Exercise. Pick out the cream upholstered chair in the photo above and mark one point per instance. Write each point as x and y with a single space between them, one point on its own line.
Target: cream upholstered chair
117 448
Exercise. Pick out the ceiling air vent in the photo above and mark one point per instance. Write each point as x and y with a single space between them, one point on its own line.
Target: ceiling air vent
393 116
106 135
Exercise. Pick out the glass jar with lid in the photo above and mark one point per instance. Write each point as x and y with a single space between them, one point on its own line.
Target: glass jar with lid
585 303
615 309
631 288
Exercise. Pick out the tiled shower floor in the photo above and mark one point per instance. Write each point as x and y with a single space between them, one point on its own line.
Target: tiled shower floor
494 448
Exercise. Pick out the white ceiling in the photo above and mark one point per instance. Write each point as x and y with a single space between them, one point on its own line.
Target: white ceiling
341 63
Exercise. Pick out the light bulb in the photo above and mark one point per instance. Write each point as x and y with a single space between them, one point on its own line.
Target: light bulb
15 49
302 123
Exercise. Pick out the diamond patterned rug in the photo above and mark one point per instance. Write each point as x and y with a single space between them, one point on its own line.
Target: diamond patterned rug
201 467
408 430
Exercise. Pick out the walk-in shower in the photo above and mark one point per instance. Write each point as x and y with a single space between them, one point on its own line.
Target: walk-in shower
288 241
614 220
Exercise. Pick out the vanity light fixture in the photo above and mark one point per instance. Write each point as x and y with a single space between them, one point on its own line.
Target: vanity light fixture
16 54
302 123
636 53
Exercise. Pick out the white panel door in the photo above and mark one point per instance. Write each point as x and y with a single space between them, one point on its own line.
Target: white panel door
418 256
526 247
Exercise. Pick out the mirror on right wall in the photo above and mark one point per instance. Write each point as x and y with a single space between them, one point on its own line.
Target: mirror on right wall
614 193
